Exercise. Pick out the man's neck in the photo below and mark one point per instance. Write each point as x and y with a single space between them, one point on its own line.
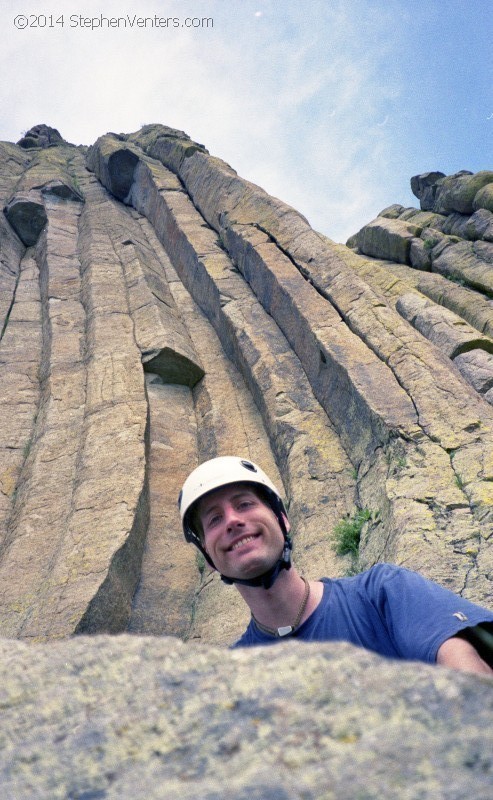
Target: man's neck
279 606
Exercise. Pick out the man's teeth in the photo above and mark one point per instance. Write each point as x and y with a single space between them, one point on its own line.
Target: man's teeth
243 541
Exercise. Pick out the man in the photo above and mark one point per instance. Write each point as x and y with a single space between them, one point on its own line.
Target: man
234 514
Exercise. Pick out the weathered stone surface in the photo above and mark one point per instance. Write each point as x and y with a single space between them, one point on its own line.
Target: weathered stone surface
463 192
20 356
457 192
163 601
477 226
227 420
315 469
166 312
480 224
392 212
442 327
420 255
484 198
47 174
12 250
226 200
163 340
470 262
259 336
116 161
91 400
126 717
424 188
393 280
477 368
325 346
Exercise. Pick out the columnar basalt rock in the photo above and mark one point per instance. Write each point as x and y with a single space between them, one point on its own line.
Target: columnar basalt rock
160 310
157 310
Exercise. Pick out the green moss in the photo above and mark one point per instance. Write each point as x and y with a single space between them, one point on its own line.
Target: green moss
459 482
453 279
27 448
200 562
348 531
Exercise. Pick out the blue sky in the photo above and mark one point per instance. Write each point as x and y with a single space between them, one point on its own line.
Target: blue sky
331 105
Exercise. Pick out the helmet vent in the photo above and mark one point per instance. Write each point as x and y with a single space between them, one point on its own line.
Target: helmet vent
249 465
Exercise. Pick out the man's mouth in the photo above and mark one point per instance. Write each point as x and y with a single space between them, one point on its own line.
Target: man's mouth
242 541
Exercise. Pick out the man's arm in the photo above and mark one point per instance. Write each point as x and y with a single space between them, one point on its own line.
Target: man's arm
458 653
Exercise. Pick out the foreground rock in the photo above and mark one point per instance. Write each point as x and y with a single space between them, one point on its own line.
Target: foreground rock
129 717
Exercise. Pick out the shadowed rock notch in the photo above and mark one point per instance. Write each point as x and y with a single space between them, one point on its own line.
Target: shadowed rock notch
158 310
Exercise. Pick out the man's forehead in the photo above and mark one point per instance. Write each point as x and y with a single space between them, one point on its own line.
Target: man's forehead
230 492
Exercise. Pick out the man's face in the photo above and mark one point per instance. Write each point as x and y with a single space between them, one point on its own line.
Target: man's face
242 534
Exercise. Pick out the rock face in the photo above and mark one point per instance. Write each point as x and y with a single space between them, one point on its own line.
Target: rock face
450 241
157 310
115 718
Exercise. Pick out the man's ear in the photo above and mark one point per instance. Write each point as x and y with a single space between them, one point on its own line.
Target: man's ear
286 522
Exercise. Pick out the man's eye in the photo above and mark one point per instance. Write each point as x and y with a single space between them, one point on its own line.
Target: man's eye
213 520
246 504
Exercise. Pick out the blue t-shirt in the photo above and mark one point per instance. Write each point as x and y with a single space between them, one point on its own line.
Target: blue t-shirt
388 609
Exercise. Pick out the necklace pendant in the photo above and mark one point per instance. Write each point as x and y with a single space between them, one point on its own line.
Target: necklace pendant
285 630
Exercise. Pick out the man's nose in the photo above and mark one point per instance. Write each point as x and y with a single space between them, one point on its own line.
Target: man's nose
233 519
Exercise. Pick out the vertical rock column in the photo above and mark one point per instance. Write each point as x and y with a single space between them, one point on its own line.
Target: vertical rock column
44 496
20 356
99 566
163 601
20 340
225 420
70 559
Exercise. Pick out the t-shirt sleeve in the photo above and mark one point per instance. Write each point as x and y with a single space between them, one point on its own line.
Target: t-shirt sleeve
419 614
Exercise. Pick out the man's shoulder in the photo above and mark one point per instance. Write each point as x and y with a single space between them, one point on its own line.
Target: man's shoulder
252 637
375 574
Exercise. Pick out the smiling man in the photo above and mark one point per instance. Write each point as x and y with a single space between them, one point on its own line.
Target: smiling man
234 514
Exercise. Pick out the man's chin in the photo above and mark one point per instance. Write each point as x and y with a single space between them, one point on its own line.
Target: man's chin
252 569
253 565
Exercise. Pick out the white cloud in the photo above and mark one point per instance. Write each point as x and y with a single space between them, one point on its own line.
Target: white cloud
308 104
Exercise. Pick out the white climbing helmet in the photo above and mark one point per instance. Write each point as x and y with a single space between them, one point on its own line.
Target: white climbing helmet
220 472
215 474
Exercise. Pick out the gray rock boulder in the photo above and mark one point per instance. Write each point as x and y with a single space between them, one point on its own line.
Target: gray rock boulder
424 188
40 136
119 718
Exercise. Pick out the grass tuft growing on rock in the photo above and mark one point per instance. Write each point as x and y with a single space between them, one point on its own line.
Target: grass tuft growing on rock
201 562
348 531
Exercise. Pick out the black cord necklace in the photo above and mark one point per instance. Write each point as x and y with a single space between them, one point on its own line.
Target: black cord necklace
285 630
